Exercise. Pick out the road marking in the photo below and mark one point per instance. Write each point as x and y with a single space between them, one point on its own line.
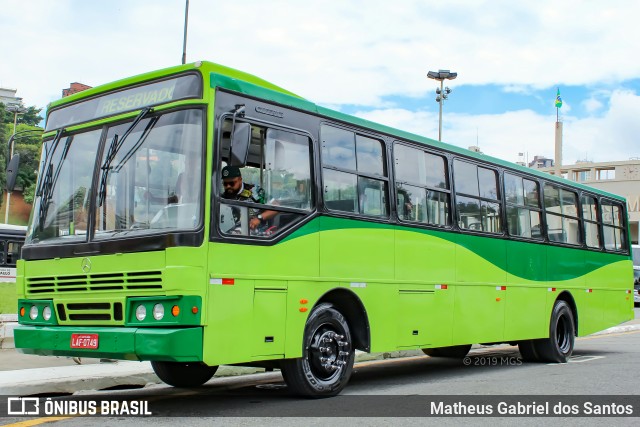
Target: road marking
36 422
580 359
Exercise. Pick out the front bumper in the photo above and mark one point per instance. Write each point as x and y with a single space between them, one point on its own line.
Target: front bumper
123 343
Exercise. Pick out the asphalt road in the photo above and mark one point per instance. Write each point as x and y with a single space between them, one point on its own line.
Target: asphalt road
389 389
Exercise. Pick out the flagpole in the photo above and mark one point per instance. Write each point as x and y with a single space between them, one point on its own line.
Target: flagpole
558 137
557 108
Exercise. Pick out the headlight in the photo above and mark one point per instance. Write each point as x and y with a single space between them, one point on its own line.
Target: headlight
141 312
46 313
158 311
33 312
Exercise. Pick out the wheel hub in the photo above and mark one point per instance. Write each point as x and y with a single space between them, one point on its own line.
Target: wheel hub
328 353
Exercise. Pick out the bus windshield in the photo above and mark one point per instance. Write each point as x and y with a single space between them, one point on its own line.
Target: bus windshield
142 189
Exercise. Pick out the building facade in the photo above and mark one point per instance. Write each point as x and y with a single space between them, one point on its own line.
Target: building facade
74 88
8 96
621 178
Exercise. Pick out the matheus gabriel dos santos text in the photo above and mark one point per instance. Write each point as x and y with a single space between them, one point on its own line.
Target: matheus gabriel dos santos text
533 408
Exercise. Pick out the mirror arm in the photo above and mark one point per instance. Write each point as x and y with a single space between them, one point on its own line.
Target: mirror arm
238 111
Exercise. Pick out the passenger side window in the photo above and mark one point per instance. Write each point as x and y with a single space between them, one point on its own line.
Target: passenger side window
354 172
612 226
590 224
561 212
522 197
422 186
477 198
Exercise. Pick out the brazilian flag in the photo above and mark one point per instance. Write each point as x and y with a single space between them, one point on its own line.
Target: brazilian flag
558 99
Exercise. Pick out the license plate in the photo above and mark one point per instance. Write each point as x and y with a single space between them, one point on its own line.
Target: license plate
84 341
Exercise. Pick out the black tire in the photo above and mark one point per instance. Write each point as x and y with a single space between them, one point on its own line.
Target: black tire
528 351
562 331
327 355
454 352
183 374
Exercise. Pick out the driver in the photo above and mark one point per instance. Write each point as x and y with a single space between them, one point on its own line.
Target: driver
236 189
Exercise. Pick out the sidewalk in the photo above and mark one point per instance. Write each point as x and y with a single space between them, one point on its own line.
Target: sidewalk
23 374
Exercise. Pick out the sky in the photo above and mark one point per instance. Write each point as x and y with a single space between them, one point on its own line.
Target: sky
368 58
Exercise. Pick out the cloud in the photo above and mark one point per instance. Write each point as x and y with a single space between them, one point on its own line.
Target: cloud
613 136
358 53
353 52
592 105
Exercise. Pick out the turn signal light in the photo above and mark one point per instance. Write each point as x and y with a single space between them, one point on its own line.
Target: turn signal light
21 311
175 310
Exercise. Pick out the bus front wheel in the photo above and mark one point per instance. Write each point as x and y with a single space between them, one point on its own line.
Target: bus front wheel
183 374
327 355
562 331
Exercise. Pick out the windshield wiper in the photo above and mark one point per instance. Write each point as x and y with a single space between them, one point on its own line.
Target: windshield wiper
137 145
47 183
114 147
49 158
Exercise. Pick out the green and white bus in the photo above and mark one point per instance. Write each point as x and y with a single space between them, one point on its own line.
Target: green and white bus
11 241
381 240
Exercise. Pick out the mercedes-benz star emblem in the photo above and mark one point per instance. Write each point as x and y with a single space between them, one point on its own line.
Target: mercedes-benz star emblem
86 265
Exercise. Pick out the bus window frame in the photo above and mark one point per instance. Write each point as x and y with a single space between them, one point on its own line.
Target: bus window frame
500 199
598 221
540 209
577 192
446 156
216 199
623 227
387 178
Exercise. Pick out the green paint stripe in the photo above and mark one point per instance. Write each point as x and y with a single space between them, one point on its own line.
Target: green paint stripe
577 262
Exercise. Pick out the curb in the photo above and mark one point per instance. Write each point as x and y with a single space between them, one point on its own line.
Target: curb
7 323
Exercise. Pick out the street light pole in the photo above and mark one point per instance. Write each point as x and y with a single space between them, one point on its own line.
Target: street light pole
442 92
184 42
17 109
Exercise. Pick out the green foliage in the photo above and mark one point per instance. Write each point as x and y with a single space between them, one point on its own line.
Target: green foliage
27 143
31 117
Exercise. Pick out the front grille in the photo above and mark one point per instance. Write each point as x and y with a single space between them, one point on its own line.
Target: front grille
137 280
90 311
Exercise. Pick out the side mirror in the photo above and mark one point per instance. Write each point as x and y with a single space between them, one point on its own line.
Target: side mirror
240 141
12 172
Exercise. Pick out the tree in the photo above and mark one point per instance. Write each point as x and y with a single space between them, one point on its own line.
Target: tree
27 143
30 117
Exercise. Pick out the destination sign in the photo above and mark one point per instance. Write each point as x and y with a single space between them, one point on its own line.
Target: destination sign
129 99
157 93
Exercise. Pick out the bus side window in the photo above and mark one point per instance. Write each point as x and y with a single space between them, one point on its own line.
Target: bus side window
13 252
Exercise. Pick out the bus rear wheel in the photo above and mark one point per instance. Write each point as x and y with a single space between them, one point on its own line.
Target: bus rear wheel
562 331
183 374
528 351
327 355
453 352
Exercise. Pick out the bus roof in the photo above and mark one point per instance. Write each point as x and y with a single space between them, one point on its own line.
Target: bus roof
13 229
239 81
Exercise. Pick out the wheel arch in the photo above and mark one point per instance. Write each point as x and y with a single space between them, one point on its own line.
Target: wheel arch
351 307
568 298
